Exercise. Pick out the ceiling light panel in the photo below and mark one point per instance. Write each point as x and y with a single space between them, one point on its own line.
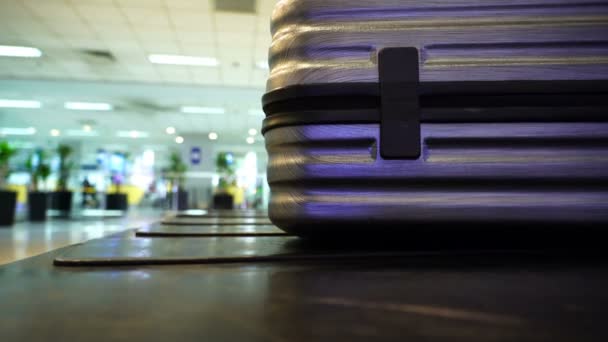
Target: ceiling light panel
202 110
5 103
19 51
88 106
183 60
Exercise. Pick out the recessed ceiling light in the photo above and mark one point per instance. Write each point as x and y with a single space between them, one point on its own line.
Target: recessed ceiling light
256 112
262 65
55 132
81 133
17 131
132 134
19 104
170 130
250 140
19 51
183 60
253 131
87 128
179 140
88 106
213 136
202 110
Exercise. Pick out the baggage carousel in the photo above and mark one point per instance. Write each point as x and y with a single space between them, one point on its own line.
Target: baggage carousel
251 282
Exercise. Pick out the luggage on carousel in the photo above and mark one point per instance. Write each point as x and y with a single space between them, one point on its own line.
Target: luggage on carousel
397 114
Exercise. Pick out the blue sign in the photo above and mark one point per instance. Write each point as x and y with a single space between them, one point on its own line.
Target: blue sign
195 155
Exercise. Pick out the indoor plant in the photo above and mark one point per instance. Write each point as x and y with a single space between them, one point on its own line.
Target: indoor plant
118 200
177 169
222 199
61 198
37 199
8 199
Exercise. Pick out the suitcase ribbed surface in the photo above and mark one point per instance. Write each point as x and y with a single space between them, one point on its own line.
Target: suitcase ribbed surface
324 41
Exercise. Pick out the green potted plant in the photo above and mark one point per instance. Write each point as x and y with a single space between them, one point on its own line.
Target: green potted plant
37 199
61 198
118 200
8 199
224 164
177 169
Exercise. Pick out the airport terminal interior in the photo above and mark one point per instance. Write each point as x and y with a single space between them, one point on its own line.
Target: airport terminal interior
303 170
136 98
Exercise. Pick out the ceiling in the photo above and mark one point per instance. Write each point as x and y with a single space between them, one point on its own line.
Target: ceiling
97 50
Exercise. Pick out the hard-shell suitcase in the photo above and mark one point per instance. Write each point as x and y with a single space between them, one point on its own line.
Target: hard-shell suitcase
408 113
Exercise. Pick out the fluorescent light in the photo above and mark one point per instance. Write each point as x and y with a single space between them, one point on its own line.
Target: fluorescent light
212 136
262 65
202 110
87 128
81 133
17 131
256 112
20 104
19 51
55 132
183 60
179 140
132 134
88 106
250 140
253 131
170 130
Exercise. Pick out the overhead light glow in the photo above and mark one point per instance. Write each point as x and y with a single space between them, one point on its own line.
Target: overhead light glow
202 110
170 130
19 104
19 51
256 112
250 140
87 128
253 131
55 132
262 65
179 140
183 60
212 136
17 131
132 134
81 133
88 106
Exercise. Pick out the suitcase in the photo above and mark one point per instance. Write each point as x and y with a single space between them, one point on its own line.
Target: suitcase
395 114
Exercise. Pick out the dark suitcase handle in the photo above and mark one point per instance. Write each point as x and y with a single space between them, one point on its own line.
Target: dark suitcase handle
398 76
401 94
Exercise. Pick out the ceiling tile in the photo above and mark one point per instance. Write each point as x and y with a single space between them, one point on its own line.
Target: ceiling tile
206 76
100 14
149 17
14 10
142 3
202 5
191 21
242 40
52 11
235 22
187 37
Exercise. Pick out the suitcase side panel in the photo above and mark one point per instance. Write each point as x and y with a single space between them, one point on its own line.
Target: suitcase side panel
468 173
468 40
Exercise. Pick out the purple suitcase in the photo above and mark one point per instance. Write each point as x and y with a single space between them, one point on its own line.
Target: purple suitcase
402 114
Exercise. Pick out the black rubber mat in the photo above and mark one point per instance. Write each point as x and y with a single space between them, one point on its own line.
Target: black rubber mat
205 220
194 213
209 231
204 250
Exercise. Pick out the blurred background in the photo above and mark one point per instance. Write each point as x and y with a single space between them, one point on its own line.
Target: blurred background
115 105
